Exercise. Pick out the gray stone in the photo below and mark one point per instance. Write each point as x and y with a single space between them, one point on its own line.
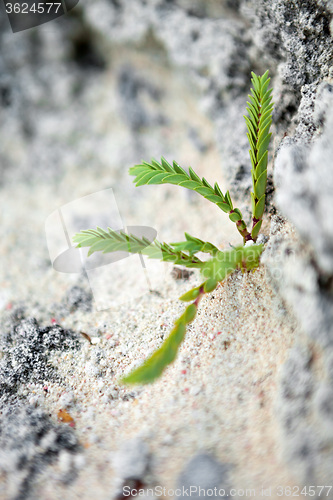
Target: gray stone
294 40
25 355
78 298
205 472
296 35
304 178
300 266
29 441
132 460
324 405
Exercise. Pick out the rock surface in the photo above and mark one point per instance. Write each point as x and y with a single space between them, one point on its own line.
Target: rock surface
203 475
82 99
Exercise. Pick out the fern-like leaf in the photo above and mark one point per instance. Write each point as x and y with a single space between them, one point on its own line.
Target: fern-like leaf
154 366
113 241
224 263
165 173
258 124
214 271
194 245
183 253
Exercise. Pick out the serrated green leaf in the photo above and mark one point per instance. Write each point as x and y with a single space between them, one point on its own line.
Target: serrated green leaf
177 168
175 178
224 206
256 229
111 241
234 217
250 127
264 86
224 263
260 185
137 170
267 98
263 134
251 255
190 295
220 266
157 179
264 115
189 237
260 207
185 246
252 113
264 76
158 166
189 184
255 102
253 159
102 232
190 313
193 175
210 285
204 191
213 198
166 165
144 178
262 164
253 177
218 190
264 146
154 366
266 122
206 183
164 173
253 202
259 110
252 145
194 245
228 198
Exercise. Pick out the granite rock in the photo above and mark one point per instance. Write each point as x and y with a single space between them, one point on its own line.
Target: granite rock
304 178
25 354
29 441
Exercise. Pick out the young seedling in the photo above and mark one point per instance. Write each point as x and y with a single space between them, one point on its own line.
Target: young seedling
221 263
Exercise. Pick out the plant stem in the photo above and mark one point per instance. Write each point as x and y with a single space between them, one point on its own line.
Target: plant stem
242 229
199 297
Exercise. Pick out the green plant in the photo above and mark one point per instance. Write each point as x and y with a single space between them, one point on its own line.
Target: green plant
221 264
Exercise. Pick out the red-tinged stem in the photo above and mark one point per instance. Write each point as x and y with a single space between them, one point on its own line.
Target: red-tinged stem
242 229
199 297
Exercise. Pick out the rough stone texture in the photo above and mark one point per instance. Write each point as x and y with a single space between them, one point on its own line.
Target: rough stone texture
131 462
29 441
298 36
78 298
304 177
26 350
131 465
302 406
99 91
205 472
